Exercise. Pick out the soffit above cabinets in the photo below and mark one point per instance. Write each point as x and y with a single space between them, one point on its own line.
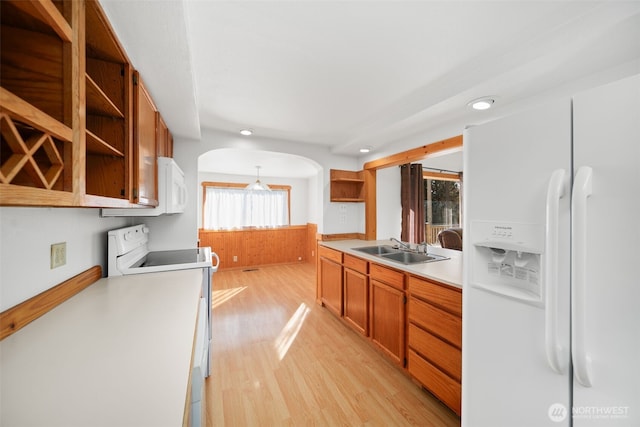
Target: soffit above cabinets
346 74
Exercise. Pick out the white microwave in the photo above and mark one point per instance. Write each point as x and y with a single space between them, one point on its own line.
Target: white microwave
172 193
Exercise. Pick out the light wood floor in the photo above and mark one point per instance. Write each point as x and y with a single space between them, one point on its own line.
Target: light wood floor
281 359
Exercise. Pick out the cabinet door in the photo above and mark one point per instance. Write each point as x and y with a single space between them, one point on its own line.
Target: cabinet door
146 165
356 293
164 139
331 285
387 313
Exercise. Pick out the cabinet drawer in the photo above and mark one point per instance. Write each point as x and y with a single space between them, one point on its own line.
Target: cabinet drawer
329 253
386 275
441 385
444 355
355 263
444 296
436 321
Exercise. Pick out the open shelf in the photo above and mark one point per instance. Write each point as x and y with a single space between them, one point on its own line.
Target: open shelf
107 83
41 16
347 186
30 157
95 145
34 60
35 95
101 41
98 102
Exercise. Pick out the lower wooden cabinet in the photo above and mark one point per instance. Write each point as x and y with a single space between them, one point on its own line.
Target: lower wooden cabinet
445 388
435 339
387 314
387 301
415 322
356 294
447 356
330 275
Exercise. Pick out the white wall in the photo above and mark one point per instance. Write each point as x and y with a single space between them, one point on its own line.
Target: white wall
389 208
299 192
179 231
26 235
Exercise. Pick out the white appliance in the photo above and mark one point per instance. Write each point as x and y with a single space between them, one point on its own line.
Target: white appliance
172 193
199 369
551 325
128 253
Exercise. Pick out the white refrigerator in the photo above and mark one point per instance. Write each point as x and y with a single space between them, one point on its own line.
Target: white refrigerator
551 297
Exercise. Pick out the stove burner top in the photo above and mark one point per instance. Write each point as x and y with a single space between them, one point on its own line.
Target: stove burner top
182 256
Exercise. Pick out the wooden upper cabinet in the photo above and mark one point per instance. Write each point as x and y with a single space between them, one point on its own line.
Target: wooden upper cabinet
108 109
145 153
164 139
37 109
70 134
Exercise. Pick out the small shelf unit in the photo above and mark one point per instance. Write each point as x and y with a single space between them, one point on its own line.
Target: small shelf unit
347 186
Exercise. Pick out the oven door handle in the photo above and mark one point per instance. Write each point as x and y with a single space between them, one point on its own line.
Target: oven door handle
215 267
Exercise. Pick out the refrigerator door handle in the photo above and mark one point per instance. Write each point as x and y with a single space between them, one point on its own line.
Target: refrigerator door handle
582 189
555 351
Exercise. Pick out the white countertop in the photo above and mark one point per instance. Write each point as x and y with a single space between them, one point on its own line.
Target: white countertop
447 271
116 354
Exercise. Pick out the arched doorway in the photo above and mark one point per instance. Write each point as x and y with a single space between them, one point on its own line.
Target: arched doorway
242 247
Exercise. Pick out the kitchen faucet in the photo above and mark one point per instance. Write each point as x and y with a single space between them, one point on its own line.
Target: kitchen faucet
426 247
407 246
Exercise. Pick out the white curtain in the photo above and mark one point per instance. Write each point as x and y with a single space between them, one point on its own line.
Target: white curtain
230 208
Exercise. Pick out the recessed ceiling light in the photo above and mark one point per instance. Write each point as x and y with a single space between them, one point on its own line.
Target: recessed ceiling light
365 149
246 132
481 103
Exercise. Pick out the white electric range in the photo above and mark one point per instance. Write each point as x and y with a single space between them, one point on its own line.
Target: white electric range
128 253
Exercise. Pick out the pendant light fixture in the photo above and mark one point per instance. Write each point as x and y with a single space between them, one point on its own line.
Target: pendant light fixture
257 186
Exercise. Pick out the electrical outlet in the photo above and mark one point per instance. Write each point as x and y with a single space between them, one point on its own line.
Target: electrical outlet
58 254
235 258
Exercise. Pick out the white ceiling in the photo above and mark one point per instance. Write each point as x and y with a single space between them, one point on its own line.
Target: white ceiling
352 73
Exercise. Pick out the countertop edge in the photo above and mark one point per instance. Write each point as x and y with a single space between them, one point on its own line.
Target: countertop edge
449 273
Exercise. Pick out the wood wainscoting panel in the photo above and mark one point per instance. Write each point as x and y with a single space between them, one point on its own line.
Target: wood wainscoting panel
312 243
256 247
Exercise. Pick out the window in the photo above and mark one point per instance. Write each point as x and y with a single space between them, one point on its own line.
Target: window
229 206
442 204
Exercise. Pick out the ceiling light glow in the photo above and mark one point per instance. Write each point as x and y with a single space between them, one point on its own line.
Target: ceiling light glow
246 132
482 103
365 149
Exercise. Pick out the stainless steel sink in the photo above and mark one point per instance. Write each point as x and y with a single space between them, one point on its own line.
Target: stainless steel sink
378 250
413 257
398 255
